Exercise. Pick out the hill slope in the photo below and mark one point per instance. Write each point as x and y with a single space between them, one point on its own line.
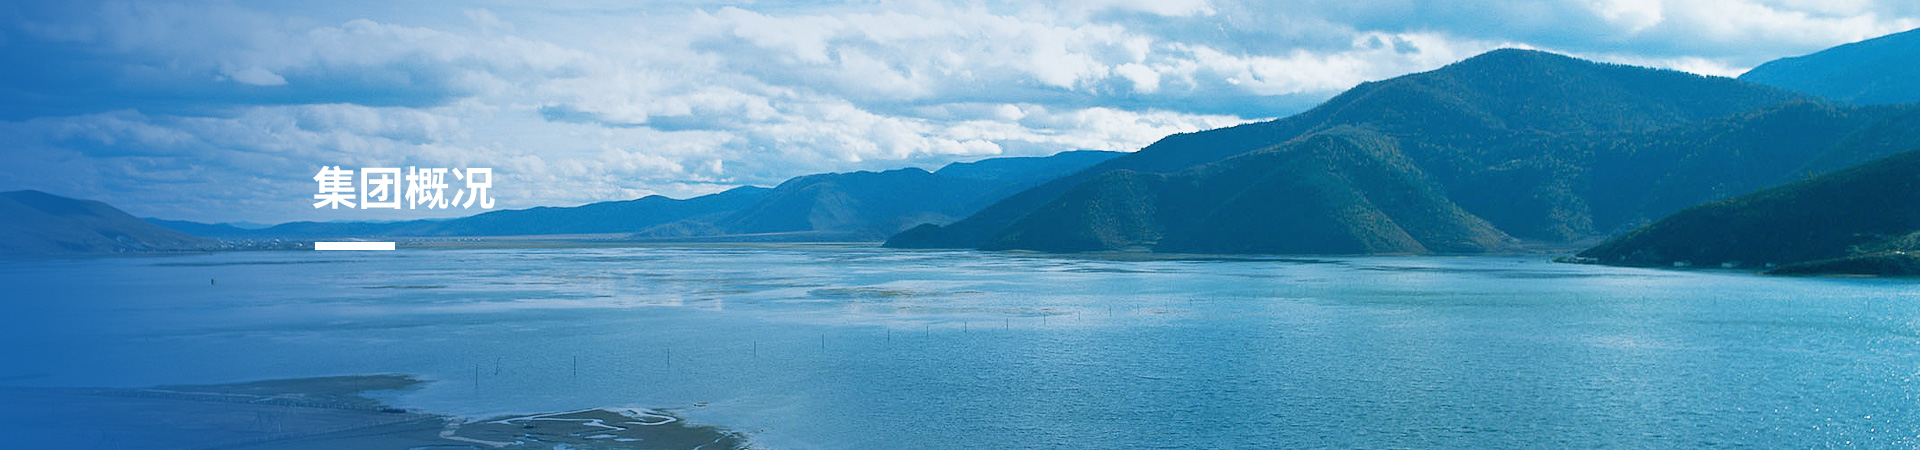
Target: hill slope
1862 217
1346 190
37 223
1626 180
1881 70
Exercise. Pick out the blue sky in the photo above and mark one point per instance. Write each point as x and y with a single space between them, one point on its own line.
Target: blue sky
223 111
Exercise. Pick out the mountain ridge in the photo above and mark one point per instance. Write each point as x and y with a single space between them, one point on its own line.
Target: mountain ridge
829 204
1870 72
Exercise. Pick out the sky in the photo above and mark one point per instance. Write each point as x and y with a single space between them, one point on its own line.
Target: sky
221 111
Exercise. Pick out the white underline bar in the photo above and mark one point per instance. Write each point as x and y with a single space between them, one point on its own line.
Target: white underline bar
353 246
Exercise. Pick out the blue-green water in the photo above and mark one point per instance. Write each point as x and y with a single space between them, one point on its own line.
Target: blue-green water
835 347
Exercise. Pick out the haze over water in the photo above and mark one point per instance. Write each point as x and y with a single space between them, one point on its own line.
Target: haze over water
856 347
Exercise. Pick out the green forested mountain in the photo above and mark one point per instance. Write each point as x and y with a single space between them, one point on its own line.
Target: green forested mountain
1610 183
1859 220
1881 70
1508 144
1344 190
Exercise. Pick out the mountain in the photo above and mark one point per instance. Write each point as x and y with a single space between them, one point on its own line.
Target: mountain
1347 190
873 205
604 217
1860 220
838 206
34 223
1622 181
624 216
1024 171
1875 71
1511 143
870 203
201 229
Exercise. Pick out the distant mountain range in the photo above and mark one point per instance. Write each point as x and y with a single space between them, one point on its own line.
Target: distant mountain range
37 223
1863 220
836 206
869 206
1881 70
1506 146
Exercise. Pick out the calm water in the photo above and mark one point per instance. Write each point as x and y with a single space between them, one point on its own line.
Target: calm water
853 347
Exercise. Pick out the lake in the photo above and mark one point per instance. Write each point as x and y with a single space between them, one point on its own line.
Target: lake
849 346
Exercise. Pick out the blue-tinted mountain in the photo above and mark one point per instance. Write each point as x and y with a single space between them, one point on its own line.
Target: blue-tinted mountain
873 205
1539 146
201 229
1881 70
1024 171
840 206
626 216
1861 220
604 217
34 223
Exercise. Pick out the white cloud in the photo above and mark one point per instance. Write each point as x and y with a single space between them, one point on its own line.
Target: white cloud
257 76
1144 79
487 21
1631 15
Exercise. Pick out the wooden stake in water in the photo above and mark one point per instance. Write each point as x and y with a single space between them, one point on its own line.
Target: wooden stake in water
476 378
576 367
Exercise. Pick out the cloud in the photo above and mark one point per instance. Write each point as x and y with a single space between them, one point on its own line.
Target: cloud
257 76
1631 16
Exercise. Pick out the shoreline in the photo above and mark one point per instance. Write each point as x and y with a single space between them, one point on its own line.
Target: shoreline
320 413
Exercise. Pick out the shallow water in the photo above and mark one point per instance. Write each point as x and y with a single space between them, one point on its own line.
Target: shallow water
855 347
